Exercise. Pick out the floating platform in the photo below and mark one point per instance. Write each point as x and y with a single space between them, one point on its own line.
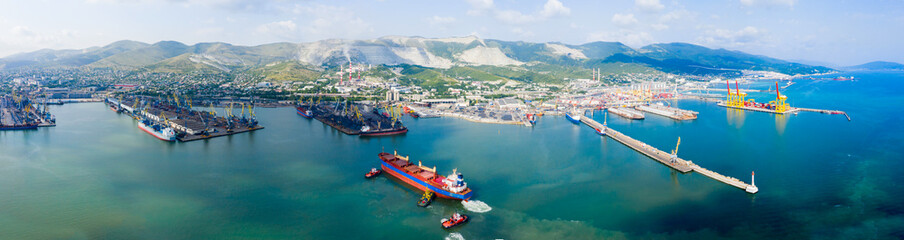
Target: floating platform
670 112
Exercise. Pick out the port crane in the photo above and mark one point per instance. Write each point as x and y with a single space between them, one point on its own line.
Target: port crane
674 157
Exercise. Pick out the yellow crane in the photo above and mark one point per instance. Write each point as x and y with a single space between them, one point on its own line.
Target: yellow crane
229 111
163 118
674 157
212 111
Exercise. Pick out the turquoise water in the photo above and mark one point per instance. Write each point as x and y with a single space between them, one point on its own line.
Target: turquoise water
97 176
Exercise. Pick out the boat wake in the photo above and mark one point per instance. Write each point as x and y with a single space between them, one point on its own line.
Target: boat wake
476 206
455 236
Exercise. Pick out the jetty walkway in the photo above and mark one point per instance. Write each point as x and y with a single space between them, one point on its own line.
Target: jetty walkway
665 158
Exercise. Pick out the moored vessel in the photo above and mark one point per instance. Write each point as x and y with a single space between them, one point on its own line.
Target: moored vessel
160 132
304 112
574 117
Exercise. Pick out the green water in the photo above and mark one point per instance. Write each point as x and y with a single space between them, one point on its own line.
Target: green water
97 176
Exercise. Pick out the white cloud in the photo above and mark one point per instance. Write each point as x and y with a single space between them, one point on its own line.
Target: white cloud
649 5
283 29
440 20
230 5
23 38
789 3
325 23
478 7
210 31
624 20
554 8
727 38
630 38
659 26
521 32
676 15
514 17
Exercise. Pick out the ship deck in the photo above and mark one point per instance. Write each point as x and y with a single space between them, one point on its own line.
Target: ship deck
429 177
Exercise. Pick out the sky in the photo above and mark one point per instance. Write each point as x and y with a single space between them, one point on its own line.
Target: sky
835 33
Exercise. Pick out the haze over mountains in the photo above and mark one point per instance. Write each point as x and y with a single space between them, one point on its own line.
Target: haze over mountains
440 53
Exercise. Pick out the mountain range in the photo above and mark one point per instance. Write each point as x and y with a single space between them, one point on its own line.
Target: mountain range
877 65
473 53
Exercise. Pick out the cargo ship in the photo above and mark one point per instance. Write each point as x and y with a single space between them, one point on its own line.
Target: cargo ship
160 132
28 126
426 179
304 112
574 117
367 131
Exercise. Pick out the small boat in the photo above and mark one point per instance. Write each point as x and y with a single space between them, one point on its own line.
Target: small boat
373 173
455 220
425 199
600 132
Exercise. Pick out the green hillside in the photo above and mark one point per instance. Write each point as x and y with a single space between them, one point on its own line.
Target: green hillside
291 70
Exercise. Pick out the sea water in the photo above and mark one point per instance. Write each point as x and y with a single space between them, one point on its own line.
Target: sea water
96 175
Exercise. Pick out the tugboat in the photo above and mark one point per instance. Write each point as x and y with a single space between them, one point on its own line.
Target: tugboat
425 199
455 220
373 173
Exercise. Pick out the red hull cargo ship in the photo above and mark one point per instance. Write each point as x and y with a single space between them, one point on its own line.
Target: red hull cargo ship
423 178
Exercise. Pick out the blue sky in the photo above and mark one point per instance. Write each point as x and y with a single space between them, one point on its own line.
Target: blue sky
835 32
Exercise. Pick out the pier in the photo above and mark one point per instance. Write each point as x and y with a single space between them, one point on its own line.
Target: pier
665 158
189 124
670 112
823 111
626 113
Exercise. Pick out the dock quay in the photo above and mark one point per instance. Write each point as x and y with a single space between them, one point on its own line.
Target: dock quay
670 112
626 113
358 119
789 110
189 124
667 159
22 113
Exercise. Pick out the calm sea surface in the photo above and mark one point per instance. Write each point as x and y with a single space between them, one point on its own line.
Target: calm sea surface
97 176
